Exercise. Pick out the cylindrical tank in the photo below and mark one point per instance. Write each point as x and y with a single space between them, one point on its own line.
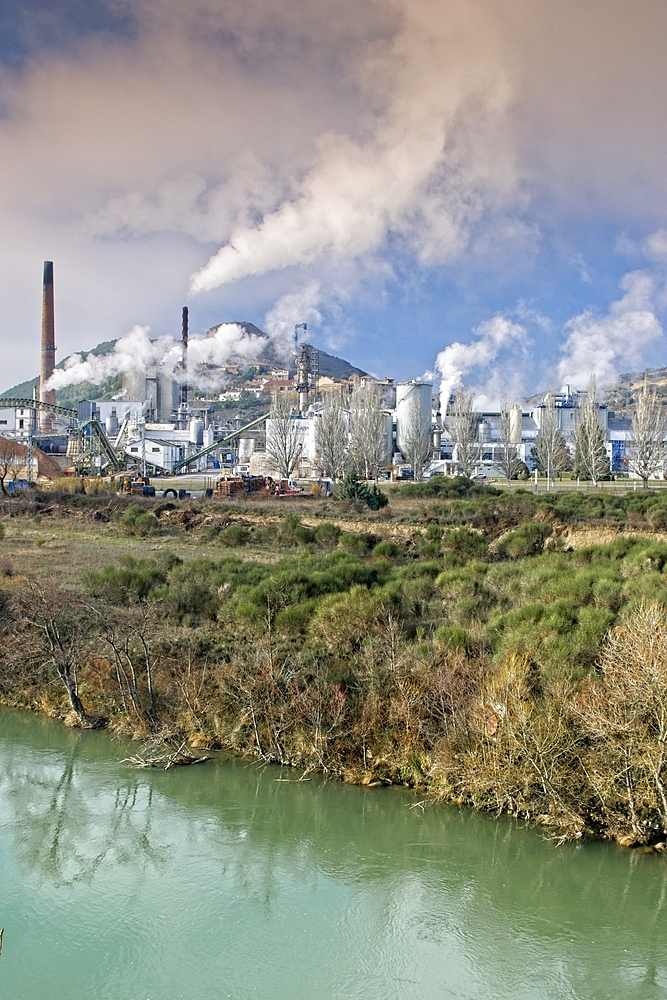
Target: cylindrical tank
414 400
112 424
246 448
484 431
516 424
196 429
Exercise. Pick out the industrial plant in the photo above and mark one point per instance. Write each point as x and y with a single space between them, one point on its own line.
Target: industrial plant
161 423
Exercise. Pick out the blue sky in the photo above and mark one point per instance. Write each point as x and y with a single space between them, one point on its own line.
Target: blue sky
404 175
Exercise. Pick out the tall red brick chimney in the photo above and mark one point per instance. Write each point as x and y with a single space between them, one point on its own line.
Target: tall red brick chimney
48 360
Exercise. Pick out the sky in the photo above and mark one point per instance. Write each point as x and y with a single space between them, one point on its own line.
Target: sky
470 191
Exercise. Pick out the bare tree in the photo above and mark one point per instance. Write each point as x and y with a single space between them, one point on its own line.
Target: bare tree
416 436
649 428
8 454
510 463
368 436
462 426
332 440
284 443
55 629
550 452
590 454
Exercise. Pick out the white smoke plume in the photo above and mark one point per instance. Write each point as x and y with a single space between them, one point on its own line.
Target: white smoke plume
137 352
133 351
459 359
295 307
607 344
423 173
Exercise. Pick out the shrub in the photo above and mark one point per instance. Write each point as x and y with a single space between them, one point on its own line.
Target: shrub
527 540
293 533
327 534
234 535
138 521
358 545
390 550
460 545
132 579
352 488
453 637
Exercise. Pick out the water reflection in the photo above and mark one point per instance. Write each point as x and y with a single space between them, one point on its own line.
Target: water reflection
181 883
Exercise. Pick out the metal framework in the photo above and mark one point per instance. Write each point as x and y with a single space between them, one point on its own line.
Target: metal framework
183 464
37 404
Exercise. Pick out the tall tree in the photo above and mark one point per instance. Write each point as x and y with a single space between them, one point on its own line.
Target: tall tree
461 423
416 436
368 430
649 428
510 463
550 451
332 440
284 439
590 454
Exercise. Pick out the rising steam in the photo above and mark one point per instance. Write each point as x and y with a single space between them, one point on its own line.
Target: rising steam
459 359
137 352
422 173
605 344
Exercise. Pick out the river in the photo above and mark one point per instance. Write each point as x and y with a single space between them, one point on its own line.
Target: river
224 881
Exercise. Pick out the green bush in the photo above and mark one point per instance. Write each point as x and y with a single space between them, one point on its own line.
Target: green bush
460 545
234 535
352 488
527 540
292 533
390 550
133 579
358 545
138 521
327 534
453 637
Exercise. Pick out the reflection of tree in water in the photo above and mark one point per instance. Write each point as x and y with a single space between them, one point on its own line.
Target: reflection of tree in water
72 821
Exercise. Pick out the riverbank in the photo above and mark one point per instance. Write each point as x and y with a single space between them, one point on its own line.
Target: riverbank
450 643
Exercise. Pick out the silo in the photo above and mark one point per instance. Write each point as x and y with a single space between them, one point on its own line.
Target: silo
246 448
414 401
516 424
196 429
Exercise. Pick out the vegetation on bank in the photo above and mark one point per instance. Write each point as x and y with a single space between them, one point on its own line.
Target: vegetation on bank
454 644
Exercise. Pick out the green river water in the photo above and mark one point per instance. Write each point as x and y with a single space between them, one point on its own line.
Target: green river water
221 881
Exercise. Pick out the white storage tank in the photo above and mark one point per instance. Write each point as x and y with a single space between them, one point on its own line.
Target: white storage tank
246 448
196 431
411 397
516 424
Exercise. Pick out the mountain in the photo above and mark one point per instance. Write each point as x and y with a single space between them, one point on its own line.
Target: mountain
71 394
280 353
273 355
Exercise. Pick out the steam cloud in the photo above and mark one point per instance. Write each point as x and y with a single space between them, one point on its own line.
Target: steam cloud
137 352
423 173
458 359
603 344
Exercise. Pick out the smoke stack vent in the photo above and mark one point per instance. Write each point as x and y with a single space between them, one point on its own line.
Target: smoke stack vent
48 358
184 358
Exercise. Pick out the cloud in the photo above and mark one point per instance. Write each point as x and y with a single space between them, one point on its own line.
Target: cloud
433 162
280 140
458 360
133 351
136 351
607 344
296 307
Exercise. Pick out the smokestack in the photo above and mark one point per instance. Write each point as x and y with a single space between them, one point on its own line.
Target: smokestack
48 359
184 358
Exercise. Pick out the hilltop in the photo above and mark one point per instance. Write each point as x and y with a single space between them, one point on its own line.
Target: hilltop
330 366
